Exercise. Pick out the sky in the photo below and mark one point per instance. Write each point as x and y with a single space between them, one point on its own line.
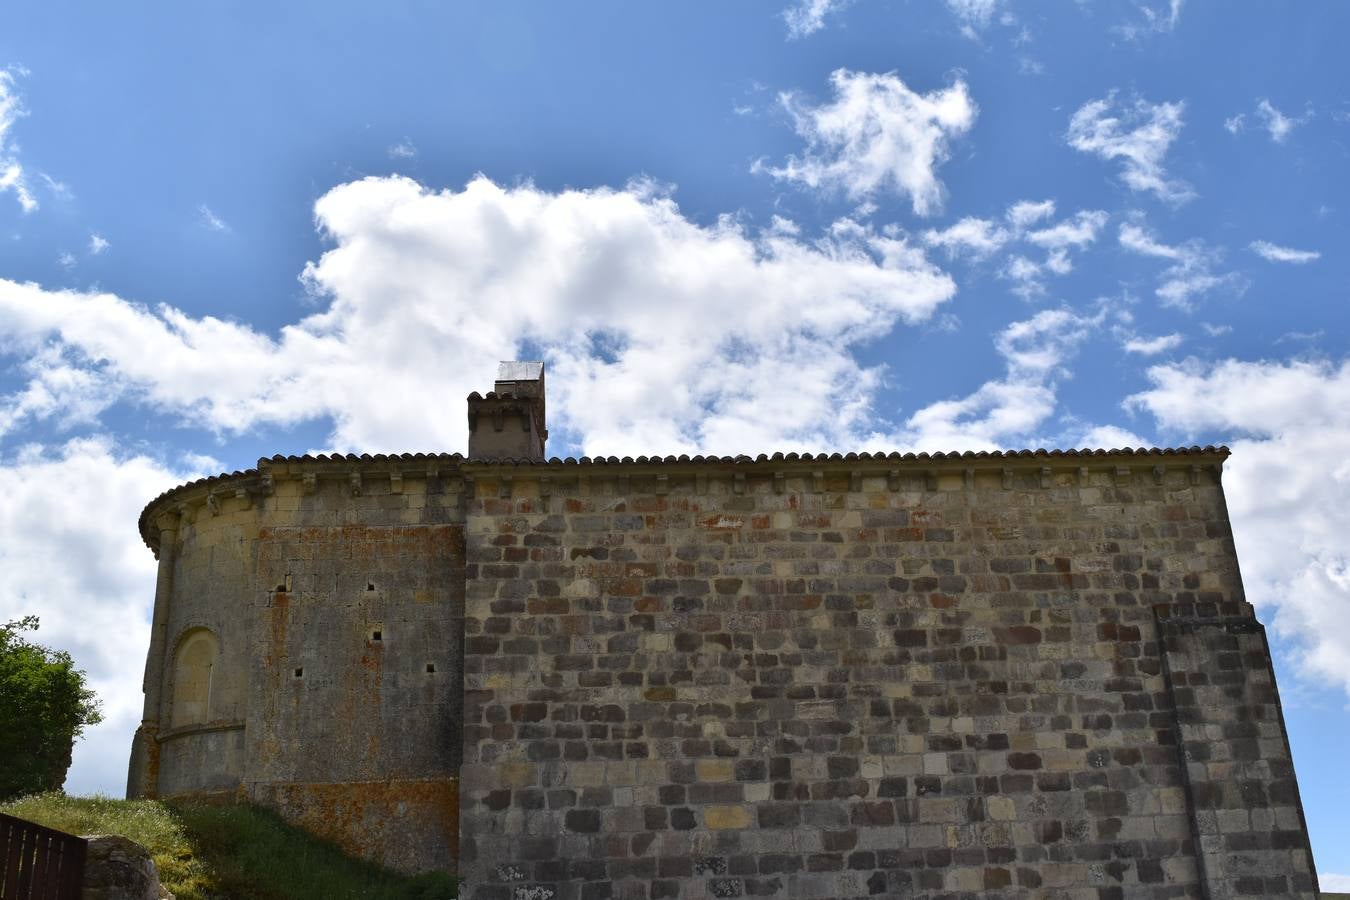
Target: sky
229 230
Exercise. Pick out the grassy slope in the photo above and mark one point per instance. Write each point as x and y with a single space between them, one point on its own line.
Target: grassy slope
219 852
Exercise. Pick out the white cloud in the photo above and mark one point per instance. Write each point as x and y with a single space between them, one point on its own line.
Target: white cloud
1153 19
66 260
877 135
1190 275
1276 123
1215 330
1009 411
1110 437
974 15
1153 346
1025 213
1330 881
621 294
1138 135
404 149
72 555
210 219
11 170
1235 124
1287 485
97 244
1275 253
982 238
1076 232
807 17
978 237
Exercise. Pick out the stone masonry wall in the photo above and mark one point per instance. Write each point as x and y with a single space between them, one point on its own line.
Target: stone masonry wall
334 588
762 680
1240 777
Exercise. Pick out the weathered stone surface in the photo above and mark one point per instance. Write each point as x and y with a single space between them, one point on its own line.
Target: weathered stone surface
118 868
1004 676
844 690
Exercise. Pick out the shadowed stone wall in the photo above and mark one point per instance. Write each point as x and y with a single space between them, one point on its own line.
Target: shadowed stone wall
311 614
771 679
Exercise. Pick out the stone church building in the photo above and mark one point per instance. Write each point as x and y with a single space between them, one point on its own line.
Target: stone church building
1007 674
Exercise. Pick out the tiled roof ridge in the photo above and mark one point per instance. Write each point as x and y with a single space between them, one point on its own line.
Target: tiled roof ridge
742 459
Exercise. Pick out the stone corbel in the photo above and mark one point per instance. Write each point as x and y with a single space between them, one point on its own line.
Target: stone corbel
267 485
213 503
970 479
1159 473
817 482
1047 478
244 497
354 482
662 484
930 481
1082 476
893 480
701 483
545 487
395 482
623 484
1195 474
505 484
1007 479
855 482
738 482
779 482
1122 476
309 482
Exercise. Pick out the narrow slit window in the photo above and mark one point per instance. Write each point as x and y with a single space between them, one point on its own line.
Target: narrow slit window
299 671
431 668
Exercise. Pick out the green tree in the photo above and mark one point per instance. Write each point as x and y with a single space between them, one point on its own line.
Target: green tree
44 706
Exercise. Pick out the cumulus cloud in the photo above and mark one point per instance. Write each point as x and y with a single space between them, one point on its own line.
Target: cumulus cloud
97 244
877 135
980 239
1235 124
72 555
425 290
404 149
1011 411
1139 135
1276 123
12 176
1275 253
1190 274
1152 346
1287 484
806 17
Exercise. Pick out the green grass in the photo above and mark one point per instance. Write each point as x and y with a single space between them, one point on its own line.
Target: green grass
209 852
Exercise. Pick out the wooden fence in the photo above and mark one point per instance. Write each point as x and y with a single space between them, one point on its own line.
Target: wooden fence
39 863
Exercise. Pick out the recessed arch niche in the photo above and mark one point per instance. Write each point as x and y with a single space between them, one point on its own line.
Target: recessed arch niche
194 677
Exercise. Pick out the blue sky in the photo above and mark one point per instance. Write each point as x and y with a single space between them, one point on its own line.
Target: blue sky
231 230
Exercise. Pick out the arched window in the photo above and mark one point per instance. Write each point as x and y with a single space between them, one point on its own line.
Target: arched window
194 663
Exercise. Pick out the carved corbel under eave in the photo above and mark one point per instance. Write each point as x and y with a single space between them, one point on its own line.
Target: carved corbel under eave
395 482
309 482
354 482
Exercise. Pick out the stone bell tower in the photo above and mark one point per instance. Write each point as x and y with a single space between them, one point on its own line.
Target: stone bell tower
509 422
